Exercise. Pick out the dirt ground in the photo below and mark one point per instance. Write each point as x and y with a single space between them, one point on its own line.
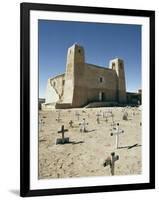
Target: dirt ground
86 152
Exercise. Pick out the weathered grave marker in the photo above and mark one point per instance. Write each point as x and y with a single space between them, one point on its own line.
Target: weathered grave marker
78 115
113 125
106 118
117 132
71 123
62 140
58 117
98 115
103 114
125 116
83 126
111 161
112 116
41 123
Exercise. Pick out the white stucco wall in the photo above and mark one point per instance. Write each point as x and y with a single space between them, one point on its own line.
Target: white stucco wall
51 95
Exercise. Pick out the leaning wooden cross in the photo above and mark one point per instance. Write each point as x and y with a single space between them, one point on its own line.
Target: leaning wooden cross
117 132
64 139
111 161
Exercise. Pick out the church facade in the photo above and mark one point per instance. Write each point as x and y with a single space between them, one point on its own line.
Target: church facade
84 83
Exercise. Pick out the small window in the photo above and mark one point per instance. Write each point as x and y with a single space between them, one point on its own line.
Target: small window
101 79
63 82
79 50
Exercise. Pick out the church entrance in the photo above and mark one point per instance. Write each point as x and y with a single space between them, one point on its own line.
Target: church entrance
101 96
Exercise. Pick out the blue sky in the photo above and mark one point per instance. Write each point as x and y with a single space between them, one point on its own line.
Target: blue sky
102 42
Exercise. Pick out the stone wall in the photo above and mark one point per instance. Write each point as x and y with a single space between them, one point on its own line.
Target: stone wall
100 80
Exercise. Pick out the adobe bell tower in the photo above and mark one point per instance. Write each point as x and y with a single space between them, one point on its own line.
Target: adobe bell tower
75 69
118 65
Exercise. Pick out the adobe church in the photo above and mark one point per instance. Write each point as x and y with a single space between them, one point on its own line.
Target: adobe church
84 83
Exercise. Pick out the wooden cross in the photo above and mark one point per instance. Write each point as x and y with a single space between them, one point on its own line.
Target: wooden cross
113 125
98 115
105 115
58 117
133 113
111 161
77 114
83 126
106 119
41 123
71 124
62 140
117 132
125 116
110 114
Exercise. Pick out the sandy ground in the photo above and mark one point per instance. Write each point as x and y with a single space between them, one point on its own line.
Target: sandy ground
86 152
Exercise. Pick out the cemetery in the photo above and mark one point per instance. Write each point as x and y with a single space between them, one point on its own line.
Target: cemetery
85 142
